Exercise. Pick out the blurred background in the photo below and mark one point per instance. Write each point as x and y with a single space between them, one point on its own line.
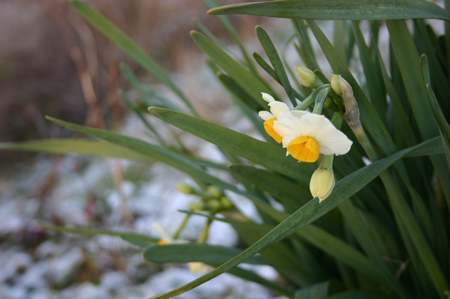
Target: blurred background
53 63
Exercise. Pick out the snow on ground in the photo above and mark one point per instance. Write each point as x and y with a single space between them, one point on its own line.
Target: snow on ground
40 264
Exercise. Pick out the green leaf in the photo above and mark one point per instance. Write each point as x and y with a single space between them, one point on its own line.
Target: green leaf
408 60
93 231
262 63
78 146
251 276
94 148
166 156
401 132
265 154
233 34
252 84
360 295
342 10
372 73
444 127
245 102
303 216
127 45
305 48
138 113
290 194
274 58
194 252
317 291
240 92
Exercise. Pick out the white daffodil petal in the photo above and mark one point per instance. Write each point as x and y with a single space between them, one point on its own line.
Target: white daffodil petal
266 115
162 232
284 127
299 113
317 123
298 126
267 97
279 107
331 138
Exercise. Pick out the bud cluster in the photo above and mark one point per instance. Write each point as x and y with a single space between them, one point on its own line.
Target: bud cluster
212 200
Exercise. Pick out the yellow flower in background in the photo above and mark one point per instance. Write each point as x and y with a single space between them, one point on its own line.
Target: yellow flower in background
166 238
275 109
310 135
198 267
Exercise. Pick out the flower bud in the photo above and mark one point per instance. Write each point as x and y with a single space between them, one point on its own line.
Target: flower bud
226 203
322 183
306 76
185 188
215 191
214 205
197 206
335 84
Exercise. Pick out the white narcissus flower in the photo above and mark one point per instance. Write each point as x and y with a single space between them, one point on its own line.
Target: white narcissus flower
275 109
310 135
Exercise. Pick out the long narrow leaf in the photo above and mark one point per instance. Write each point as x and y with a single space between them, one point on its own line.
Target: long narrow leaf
339 10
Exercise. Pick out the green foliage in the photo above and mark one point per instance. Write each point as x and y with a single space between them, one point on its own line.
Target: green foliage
384 227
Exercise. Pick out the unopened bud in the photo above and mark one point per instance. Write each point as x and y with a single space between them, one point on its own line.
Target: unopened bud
214 205
306 76
322 183
215 191
226 203
197 206
185 188
335 84
351 114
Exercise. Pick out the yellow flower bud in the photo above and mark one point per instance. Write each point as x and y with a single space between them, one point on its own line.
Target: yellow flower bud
305 75
322 183
185 188
336 84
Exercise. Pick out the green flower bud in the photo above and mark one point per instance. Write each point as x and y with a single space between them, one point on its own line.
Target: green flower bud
322 183
215 191
197 206
214 205
306 76
185 188
226 203
335 84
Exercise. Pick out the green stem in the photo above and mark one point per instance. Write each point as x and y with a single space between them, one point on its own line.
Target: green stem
181 227
204 234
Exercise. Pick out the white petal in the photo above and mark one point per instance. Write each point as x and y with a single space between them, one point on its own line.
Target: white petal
283 130
162 232
317 123
266 115
333 141
296 126
279 107
299 113
267 97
